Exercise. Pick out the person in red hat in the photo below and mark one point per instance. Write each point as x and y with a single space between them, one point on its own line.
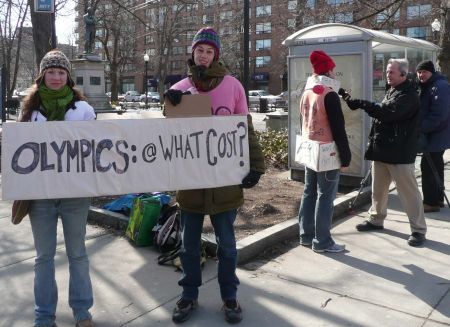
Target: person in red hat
323 121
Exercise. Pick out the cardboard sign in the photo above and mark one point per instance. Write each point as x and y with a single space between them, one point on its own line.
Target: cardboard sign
315 155
64 159
192 105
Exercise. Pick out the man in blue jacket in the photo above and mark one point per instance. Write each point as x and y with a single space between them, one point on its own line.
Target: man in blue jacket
434 131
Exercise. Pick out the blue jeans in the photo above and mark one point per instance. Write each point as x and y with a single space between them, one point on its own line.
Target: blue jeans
44 219
316 209
191 232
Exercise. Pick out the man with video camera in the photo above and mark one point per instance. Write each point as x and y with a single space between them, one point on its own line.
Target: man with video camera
392 148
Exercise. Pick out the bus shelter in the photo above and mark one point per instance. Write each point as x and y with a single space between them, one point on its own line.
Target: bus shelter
361 57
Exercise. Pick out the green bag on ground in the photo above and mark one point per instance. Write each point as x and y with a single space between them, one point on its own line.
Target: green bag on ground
143 217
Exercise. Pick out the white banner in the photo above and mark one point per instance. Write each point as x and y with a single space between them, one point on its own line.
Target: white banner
42 160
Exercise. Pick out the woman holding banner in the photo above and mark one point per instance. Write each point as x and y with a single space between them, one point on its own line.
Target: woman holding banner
208 76
53 98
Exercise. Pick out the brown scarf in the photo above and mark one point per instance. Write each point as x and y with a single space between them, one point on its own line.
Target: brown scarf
206 79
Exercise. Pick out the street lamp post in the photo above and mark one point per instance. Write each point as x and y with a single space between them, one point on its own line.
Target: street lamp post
146 59
436 28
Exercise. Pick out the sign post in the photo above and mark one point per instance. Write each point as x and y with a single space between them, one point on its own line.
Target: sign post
3 93
47 7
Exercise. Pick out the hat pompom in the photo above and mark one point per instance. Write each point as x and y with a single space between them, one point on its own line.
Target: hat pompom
321 62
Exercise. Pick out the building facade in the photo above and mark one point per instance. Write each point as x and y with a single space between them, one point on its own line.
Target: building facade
164 30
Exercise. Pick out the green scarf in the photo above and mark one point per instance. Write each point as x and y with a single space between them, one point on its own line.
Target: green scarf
55 102
206 79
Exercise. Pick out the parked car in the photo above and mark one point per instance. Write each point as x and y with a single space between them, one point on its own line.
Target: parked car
255 95
282 102
132 96
152 97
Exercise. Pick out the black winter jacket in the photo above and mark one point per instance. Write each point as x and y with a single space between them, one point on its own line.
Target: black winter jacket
394 133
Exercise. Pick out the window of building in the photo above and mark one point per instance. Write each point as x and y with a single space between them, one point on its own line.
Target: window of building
338 2
340 17
262 11
308 20
418 32
292 5
192 7
383 16
263 28
98 44
208 3
189 49
176 64
177 50
151 51
226 15
262 61
310 4
190 35
291 23
263 44
208 19
191 20
149 39
225 2
99 32
418 11
226 30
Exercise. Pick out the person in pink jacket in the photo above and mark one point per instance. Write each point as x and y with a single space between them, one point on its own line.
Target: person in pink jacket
208 76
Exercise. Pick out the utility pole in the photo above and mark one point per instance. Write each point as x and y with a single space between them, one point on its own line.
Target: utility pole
246 48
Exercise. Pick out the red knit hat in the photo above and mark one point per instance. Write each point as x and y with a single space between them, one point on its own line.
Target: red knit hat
321 62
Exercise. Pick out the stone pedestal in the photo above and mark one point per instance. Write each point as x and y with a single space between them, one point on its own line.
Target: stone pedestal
89 76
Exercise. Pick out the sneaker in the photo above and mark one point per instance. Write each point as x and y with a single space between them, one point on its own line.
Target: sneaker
367 226
416 239
183 310
85 323
335 248
233 311
305 242
428 208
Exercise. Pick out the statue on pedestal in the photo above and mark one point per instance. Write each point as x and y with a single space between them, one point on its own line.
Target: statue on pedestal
89 36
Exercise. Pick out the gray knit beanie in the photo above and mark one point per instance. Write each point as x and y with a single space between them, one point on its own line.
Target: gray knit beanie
54 59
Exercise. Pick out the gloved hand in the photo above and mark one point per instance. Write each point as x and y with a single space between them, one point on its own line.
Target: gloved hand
344 94
353 104
251 179
174 96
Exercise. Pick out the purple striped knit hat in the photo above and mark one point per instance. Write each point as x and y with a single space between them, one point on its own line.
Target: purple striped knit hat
207 35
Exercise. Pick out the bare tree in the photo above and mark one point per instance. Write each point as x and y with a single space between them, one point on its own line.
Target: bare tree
444 39
12 19
116 33
166 26
42 29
